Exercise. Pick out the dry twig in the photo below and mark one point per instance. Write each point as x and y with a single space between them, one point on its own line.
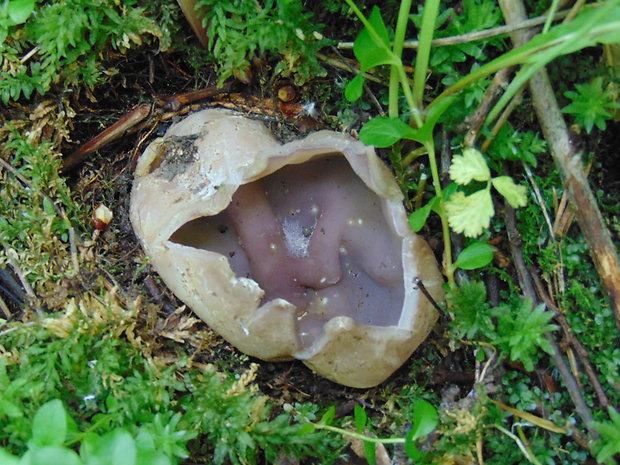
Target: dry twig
581 351
567 158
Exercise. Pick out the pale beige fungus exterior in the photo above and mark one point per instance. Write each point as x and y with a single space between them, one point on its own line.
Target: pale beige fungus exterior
193 171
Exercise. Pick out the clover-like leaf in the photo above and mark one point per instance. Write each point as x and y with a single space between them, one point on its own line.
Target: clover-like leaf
470 214
515 194
469 166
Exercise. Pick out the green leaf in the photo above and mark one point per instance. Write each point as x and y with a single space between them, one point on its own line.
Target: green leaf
306 428
360 418
410 447
54 455
418 218
384 132
433 113
609 444
472 316
116 447
49 426
592 104
8 459
370 452
469 166
475 255
470 214
48 206
151 457
371 50
522 329
328 416
10 409
355 87
20 10
425 418
515 194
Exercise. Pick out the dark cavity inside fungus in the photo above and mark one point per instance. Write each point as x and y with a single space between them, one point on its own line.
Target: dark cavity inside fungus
315 235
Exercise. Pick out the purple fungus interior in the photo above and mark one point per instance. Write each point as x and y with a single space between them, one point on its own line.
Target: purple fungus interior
315 235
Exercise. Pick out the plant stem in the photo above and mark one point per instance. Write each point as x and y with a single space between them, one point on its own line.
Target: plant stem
431 9
445 228
415 112
550 15
360 436
79 437
397 49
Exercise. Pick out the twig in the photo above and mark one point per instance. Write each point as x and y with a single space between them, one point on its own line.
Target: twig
29 55
176 102
5 308
525 281
501 120
11 287
576 8
524 449
581 351
555 132
417 284
10 255
477 35
116 131
129 122
473 123
539 199
514 239
366 87
567 158
558 273
345 66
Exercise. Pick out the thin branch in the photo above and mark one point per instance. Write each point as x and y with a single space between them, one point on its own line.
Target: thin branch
525 281
418 284
473 123
548 114
581 351
340 64
567 158
11 257
4 307
369 92
116 131
477 35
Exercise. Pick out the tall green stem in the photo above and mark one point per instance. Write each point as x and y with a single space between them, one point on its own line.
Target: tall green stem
445 228
431 10
397 49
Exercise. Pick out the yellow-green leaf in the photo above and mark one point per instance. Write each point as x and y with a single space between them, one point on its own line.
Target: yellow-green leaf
469 166
470 214
515 194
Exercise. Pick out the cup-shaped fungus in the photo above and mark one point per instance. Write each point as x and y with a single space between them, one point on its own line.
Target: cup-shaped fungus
299 250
